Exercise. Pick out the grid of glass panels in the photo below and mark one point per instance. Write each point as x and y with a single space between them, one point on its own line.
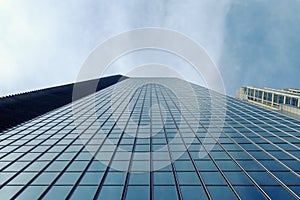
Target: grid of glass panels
255 156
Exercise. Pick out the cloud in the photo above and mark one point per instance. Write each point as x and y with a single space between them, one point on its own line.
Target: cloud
44 43
203 21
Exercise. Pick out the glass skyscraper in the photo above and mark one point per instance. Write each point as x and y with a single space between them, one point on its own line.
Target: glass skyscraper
139 139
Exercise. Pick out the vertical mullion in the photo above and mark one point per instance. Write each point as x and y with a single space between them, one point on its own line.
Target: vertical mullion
134 144
98 149
191 159
169 150
151 147
107 169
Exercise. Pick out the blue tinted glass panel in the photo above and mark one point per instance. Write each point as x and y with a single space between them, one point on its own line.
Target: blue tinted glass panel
220 192
57 192
111 192
165 192
138 192
193 192
84 192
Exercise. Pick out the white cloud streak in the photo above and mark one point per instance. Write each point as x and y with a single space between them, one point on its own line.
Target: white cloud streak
44 43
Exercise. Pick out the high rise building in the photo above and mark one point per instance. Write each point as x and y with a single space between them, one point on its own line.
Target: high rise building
152 138
286 101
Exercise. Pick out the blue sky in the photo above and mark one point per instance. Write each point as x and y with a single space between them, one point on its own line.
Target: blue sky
44 43
262 44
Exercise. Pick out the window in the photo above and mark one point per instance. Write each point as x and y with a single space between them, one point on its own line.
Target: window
277 192
220 192
137 193
45 178
32 192
189 178
57 192
248 192
193 192
165 192
238 178
139 178
163 178
91 178
22 178
294 102
115 178
212 178
68 178
8 191
111 192
82 192
57 166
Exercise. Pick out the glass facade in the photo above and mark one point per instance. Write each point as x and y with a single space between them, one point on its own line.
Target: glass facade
254 154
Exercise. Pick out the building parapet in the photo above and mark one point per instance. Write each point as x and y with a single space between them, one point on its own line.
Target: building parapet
286 100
